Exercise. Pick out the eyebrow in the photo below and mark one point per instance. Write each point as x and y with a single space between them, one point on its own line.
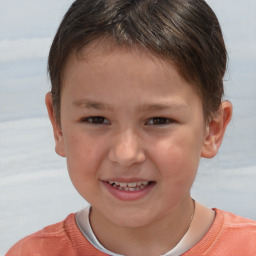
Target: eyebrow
86 103
162 106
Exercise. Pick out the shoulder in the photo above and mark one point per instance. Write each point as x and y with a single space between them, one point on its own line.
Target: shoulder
236 234
229 234
233 234
50 241
233 223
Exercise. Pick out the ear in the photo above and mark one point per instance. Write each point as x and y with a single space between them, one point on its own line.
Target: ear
58 136
215 130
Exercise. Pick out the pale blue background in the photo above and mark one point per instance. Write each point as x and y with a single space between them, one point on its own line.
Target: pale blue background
34 186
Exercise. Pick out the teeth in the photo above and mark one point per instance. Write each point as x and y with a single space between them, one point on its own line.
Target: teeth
131 186
123 185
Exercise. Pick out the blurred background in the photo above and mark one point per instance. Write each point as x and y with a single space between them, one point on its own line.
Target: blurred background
34 185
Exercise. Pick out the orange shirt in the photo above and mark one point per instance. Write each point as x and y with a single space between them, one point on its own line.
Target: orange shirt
228 235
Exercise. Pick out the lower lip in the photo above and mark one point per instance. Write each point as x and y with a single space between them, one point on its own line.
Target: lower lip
129 195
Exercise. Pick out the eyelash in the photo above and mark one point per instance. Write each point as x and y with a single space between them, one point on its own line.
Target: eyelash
160 121
96 120
100 120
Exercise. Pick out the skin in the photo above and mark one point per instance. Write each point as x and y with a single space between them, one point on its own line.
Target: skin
149 126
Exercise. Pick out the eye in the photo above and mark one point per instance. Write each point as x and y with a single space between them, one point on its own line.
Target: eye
159 121
96 120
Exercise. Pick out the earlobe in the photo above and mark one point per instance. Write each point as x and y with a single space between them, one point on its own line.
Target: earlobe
58 136
216 129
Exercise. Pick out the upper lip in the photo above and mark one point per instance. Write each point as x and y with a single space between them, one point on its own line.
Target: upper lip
126 180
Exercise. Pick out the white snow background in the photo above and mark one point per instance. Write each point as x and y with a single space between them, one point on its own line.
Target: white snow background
35 189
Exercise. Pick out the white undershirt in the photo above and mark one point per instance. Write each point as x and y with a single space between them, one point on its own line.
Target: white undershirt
198 228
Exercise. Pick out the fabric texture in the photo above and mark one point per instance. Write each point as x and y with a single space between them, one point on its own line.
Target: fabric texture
229 235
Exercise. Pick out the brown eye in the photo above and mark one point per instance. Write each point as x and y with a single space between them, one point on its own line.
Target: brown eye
159 121
97 120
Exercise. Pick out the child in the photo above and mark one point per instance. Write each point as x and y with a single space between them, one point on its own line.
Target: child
136 101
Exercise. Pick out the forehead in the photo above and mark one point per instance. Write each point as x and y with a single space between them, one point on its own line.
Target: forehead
102 52
142 63
104 64
105 73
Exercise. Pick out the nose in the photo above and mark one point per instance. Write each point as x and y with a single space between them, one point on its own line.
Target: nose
126 149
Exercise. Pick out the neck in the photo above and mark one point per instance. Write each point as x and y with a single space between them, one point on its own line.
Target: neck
155 238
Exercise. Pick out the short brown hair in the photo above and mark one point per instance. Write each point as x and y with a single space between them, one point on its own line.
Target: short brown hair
187 32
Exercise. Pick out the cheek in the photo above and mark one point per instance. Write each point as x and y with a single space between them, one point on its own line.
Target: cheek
83 154
83 162
178 158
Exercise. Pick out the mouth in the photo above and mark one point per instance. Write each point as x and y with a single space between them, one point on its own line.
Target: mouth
130 186
128 191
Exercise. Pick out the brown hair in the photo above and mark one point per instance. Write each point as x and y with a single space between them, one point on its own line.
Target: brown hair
186 32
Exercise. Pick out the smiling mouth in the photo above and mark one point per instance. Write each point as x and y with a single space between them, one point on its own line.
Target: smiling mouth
131 186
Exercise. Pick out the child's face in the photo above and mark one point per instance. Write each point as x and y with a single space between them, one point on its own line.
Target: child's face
129 117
